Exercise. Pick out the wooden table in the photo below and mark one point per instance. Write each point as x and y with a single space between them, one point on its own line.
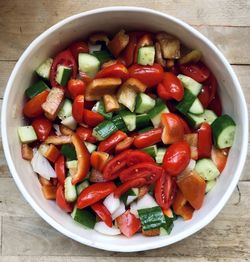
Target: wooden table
24 236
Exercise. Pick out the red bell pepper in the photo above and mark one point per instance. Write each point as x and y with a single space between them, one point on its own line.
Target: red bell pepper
204 140
78 108
117 70
60 169
61 201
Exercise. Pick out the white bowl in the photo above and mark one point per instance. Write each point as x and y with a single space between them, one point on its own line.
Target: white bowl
112 19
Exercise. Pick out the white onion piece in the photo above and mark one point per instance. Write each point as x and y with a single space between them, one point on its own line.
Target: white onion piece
102 228
189 168
130 199
119 211
111 203
70 122
57 130
42 166
93 48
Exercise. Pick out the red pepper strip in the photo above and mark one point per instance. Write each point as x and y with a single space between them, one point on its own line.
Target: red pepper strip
85 133
98 160
60 169
117 70
109 144
138 182
78 108
148 138
61 201
83 158
204 141
128 54
103 213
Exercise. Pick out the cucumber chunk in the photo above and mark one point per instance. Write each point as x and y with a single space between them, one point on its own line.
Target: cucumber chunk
26 134
72 164
155 113
84 217
160 155
207 169
36 89
129 119
166 228
44 69
196 108
210 184
69 190
142 120
223 131
186 103
144 103
63 74
80 187
99 108
88 64
195 120
146 55
66 109
151 150
104 130
120 124
103 56
189 83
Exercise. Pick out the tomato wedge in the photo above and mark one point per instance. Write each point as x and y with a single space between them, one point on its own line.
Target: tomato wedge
117 70
103 213
64 58
94 193
78 108
42 127
61 201
148 138
76 87
204 140
176 158
60 169
165 190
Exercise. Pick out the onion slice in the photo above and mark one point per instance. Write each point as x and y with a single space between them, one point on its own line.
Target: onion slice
102 228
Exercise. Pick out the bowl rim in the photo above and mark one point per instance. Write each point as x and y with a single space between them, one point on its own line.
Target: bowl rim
99 244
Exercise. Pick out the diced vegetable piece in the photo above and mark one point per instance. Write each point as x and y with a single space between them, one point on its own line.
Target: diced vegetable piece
194 56
120 124
68 150
27 152
119 211
58 140
190 167
70 122
104 130
223 131
49 151
100 108
130 196
196 108
103 56
64 130
36 89
72 164
207 169
66 109
181 207
210 185
94 48
80 187
97 88
142 120
111 103
129 118
144 103
111 203
84 217
88 64
146 55
185 104
135 84
151 232
26 134
91 147
151 150
49 192
102 228
44 69
170 45
195 120
118 43
63 75
127 97
160 155
189 83
69 190
155 113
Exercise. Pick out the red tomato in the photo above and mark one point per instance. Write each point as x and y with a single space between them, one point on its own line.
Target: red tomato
215 105
128 223
145 40
125 159
76 87
176 158
64 58
204 140
123 188
94 193
61 201
85 134
98 160
109 144
204 96
219 157
60 169
193 188
33 107
124 145
42 127
170 88
149 75
173 130
187 129
117 70
165 190
103 213
148 138
77 48
78 108
198 71
151 172
91 118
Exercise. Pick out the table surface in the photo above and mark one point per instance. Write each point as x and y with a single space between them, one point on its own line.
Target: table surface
24 236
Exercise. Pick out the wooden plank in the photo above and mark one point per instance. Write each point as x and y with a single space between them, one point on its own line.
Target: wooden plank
5 69
226 237
0 235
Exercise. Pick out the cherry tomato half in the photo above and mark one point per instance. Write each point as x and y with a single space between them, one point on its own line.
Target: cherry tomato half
76 87
78 108
61 201
176 158
42 127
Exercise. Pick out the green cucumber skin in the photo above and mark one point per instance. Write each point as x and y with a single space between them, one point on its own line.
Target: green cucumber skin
85 218
142 120
36 89
104 129
103 56
151 150
144 103
219 125
184 105
120 124
101 110
68 150
129 119
195 120
65 76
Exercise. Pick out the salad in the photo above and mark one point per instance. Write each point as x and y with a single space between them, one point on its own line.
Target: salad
126 133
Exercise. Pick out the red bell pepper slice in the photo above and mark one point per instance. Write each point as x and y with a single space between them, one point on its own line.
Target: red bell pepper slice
61 201
117 70
85 133
78 108
98 160
77 48
204 141
42 127
60 169
103 213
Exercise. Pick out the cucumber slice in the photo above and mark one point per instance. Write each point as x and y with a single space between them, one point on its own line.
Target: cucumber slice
68 150
44 69
166 228
146 55
63 74
69 190
120 124
210 185
196 108
80 187
144 103
206 169
70 122
66 109
104 130
91 147
223 131
160 155
36 89
99 107
185 104
129 119
72 164
26 134
151 150
88 64
103 56
84 217
189 83
195 120
155 113
142 121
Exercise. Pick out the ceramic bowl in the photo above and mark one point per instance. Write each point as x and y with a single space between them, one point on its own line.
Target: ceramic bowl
112 19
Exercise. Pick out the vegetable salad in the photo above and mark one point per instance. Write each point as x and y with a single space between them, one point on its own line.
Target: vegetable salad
126 132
